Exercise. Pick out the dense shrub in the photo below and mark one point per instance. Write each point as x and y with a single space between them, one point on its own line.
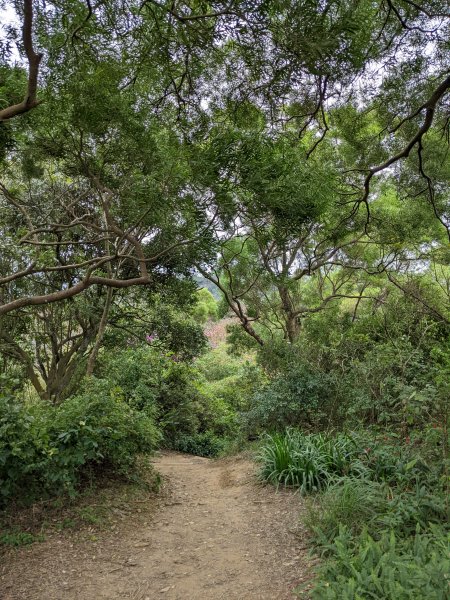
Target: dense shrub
388 366
217 364
297 397
20 452
173 391
206 306
233 380
101 419
137 372
46 450
202 444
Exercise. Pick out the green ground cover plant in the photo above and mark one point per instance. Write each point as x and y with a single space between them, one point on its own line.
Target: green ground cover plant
378 514
386 568
308 462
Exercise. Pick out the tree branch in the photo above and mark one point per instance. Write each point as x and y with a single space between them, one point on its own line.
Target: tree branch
72 291
30 101
430 107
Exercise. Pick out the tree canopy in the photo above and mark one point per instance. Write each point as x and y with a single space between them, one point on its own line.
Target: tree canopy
146 127
290 152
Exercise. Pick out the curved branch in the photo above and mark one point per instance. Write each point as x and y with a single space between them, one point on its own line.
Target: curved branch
430 107
418 298
30 101
72 291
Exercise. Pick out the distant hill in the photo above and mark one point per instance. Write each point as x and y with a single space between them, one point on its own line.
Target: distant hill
205 283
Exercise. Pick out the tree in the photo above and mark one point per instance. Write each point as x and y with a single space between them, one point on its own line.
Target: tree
286 253
52 343
128 89
104 201
206 306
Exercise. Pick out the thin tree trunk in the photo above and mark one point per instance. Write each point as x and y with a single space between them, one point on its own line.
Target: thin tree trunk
291 319
100 333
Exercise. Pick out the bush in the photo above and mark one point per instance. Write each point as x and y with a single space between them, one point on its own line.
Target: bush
298 397
385 569
137 372
100 425
201 444
411 508
173 392
229 378
205 307
217 364
46 450
411 464
21 455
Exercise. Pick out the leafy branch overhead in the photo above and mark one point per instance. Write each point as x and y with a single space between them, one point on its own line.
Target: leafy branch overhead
317 133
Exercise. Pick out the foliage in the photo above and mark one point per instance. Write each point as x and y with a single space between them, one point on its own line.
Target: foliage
230 378
388 365
308 462
299 396
174 392
384 533
137 373
218 364
255 144
51 346
176 330
202 444
46 450
19 538
206 306
361 504
388 568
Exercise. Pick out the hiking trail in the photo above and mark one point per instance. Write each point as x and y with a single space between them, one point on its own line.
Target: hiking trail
214 534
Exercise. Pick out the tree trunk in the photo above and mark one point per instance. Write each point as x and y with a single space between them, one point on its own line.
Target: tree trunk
290 316
100 333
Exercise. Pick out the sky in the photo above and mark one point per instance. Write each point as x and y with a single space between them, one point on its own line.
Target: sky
7 17
7 14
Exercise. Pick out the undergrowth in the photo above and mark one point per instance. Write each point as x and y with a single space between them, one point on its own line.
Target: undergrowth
377 511
101 504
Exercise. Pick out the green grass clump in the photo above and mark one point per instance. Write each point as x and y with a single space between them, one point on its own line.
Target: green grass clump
363 504
19 538
350 502
308 462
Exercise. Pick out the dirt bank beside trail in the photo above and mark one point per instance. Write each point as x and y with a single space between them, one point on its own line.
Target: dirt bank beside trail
215 534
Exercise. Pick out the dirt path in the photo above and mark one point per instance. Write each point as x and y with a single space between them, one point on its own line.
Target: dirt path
215 534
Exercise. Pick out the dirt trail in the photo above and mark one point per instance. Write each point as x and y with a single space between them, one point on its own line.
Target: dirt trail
216 534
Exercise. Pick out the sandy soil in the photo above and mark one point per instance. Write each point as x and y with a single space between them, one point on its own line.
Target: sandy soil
215 534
